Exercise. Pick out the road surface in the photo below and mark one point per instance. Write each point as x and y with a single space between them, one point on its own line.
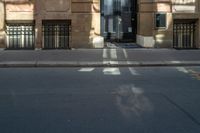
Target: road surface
100 100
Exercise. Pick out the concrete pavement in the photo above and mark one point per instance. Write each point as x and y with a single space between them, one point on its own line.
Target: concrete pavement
108 57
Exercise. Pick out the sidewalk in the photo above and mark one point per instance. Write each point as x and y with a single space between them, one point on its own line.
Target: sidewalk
99 58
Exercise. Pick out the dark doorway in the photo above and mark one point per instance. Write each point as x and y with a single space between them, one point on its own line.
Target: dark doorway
118 20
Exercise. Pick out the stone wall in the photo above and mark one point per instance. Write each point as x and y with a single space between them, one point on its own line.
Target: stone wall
164 36
145 24
86 24
150 36
19 11
2 44
85 19
84 16
49 10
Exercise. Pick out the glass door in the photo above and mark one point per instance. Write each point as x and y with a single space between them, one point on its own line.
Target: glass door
117 20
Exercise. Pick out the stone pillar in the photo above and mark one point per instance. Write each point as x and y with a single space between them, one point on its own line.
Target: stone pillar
38 34
38 24
2 23
1 15
145 25
97 40
88 33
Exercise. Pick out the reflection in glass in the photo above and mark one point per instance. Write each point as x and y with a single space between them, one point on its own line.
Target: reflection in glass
117 18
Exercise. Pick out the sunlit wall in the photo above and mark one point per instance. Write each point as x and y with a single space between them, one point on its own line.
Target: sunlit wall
184 6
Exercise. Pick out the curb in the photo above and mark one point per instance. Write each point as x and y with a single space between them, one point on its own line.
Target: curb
13 64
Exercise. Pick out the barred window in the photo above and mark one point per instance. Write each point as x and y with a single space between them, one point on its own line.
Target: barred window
56 34
20 36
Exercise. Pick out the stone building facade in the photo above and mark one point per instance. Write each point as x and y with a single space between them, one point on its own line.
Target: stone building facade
40 24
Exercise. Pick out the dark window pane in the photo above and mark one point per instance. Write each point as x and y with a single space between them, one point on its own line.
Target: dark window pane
160 20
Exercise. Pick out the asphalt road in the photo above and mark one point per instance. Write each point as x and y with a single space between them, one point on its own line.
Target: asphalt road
100 100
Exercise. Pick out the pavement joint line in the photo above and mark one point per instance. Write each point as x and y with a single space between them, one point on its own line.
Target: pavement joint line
192 118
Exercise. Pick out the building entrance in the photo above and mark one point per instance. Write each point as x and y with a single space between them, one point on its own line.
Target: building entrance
118 20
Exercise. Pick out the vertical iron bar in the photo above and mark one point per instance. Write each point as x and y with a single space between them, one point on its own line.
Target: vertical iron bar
178 34
175 33
186 35
193 43
26 35
183 28
190 30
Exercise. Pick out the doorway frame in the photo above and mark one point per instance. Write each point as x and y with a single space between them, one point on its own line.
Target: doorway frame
133 23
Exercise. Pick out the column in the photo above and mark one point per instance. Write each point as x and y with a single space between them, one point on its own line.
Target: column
2 23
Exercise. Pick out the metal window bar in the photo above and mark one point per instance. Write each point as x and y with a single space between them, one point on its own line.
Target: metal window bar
20 36
56 35
184 35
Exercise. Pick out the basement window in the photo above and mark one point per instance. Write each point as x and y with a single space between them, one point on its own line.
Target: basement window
20 36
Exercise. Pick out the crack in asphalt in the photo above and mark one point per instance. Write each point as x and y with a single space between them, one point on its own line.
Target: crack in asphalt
192 118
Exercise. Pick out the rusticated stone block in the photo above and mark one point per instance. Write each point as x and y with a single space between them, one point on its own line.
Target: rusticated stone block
2 16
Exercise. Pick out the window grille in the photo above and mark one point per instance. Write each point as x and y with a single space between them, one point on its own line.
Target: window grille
56 34
20 36
184 35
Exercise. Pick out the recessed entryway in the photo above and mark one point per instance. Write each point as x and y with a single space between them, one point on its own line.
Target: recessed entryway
118 20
